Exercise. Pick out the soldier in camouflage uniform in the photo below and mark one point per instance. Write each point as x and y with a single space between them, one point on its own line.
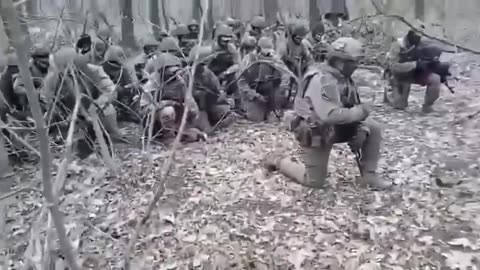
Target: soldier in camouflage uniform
403 72
94 84
224 60
165 95
9 99
295 53
39 68
170 45
184 37
317 46
262 84
328 111
214 110
256 27
236 26
115 68
150 49
249 45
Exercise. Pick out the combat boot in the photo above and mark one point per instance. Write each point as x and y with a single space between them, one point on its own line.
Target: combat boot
371 180
427 109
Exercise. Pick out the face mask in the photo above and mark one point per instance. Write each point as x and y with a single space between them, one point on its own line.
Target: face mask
297 39
223 41
349 67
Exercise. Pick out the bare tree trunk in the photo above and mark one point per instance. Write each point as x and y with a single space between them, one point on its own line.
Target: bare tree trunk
197 9
271 8
32 7
314 13
155 17
128 29
211 20
165 16
23 44
420 10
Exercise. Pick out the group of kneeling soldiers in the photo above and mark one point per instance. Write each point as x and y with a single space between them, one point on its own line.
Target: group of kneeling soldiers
247 73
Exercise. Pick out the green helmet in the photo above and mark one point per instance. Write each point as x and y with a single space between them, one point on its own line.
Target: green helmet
232 22
169 44
193 23
180 30
163 60
203 53
300 29
40 50
265 43
346 48
99 46
115 54
150 41
259 22
223 30
249 41
64 58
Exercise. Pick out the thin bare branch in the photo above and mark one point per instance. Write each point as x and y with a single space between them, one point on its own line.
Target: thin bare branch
23 45
160 187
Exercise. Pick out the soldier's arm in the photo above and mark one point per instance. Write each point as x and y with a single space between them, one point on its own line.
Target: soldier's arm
324 97
104 84
393 57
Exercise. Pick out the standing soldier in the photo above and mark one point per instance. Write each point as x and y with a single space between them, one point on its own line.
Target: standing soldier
262 84
257 27
236 26
183 33
328 111
333 10
407 68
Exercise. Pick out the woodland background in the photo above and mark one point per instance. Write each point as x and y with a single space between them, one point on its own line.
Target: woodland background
450 19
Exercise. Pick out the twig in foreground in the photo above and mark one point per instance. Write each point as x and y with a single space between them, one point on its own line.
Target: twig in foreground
23 45
159 190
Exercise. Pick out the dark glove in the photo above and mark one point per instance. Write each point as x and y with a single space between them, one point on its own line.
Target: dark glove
84 44
358 140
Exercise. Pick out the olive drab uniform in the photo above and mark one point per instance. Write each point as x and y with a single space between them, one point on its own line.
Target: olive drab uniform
224 60
150 49
402 73
294 54
9 99
263 85
96 86
328 111
39 68
167 87
316 43
114 67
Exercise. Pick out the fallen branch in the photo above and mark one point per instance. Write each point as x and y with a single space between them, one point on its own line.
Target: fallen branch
18 191
381 13
160 188
23 45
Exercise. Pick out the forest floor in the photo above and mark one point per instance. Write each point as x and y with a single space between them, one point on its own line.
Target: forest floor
220 210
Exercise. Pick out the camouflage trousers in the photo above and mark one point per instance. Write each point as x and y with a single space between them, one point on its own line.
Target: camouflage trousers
400 90
311 168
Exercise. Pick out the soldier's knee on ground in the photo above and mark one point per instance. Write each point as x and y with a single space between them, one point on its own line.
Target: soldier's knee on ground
433 89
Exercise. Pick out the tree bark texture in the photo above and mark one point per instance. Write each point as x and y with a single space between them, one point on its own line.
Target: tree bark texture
128 31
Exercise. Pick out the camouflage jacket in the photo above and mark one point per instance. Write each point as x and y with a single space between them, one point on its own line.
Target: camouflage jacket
264 81
174 90
296 56
92 81
329 100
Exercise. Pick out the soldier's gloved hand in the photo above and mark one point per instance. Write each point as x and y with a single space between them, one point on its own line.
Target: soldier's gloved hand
358 140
